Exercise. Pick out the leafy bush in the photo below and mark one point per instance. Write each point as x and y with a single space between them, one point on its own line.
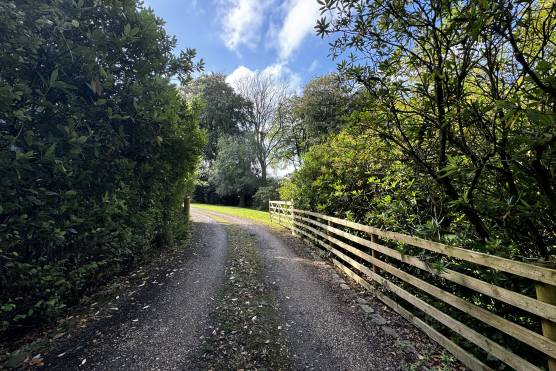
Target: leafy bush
96 148
356 176
266 193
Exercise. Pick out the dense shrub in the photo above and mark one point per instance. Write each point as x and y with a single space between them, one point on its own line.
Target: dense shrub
96 148
355 176
266 192
205 193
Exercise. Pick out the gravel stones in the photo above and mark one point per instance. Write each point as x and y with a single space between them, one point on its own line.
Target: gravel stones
366 309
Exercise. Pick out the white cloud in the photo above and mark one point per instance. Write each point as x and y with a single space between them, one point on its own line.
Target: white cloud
314 65
276 70
298 24
279 71
288 24
238 74
242 21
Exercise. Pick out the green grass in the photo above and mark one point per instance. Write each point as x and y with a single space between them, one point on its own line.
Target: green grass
262 217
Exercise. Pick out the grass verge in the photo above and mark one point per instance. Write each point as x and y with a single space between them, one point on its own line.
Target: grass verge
262 217
246 331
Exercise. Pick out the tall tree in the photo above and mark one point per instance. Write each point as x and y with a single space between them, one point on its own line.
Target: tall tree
267 96
465 90
310 118
233 172
224 112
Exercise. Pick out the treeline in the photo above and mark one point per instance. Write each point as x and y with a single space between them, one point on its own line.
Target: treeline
259 124
241 125
98 149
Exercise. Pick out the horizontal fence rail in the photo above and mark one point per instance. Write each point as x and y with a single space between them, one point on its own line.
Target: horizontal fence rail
410 285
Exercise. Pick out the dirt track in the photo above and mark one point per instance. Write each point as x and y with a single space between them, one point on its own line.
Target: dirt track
322 332
323 323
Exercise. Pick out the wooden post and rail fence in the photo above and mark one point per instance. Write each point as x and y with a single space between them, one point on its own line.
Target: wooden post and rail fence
409 285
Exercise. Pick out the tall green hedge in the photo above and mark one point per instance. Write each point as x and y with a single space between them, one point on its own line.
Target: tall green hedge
96 148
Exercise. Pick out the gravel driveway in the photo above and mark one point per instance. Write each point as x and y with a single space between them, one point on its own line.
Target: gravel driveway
158 328
322 332
325 324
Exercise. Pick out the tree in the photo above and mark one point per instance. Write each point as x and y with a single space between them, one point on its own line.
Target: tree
465 91
310 118
355 175
224 111
96 148
267 96
232 173
266 193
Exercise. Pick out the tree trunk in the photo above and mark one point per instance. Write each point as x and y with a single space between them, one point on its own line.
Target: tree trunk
242 200
263 171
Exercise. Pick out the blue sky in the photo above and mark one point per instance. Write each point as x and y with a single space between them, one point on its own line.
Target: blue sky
237 37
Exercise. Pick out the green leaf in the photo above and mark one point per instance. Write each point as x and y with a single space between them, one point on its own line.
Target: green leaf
537 117
49 154
7 307
54 76
24 155
62 85
28 137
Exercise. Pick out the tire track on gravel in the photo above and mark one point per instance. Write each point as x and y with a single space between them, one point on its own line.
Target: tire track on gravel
321 332
160 326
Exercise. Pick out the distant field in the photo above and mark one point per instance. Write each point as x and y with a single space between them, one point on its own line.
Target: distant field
255 215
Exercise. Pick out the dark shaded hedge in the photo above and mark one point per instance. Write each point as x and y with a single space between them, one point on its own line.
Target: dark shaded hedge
97 149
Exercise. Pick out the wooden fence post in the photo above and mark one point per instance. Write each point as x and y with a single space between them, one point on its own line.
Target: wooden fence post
374 239
292 218
547 293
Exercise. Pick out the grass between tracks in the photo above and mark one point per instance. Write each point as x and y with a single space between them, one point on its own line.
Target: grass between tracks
246 331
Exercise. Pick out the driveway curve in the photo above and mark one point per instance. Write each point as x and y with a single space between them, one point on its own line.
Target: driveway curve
167 321
323 331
